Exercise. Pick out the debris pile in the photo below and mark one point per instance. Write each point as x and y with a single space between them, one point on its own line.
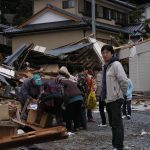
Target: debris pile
14 70
140 102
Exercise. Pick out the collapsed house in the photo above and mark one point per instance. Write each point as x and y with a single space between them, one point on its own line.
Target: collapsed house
22 64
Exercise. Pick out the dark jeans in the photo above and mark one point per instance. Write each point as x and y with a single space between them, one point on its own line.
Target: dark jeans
89 114
102 105
127 107
73 113
83 118
115 121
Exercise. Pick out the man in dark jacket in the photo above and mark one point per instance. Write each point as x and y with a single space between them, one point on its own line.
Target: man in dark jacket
31 89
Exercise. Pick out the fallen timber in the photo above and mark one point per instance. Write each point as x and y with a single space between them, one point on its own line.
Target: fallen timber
43 135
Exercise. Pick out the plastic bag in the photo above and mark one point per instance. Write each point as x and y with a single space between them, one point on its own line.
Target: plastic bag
91 103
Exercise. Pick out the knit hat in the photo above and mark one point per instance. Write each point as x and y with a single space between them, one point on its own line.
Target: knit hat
37 79
64 70
109 48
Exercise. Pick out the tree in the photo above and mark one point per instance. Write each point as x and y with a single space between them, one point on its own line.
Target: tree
23 11
137 16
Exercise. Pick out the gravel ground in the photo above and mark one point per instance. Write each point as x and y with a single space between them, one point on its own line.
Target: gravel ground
99 138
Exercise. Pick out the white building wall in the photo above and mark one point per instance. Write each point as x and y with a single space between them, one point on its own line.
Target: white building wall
139 66
133 72
144 71
147 13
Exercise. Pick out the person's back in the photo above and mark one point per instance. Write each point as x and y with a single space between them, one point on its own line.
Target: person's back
70 89
72 98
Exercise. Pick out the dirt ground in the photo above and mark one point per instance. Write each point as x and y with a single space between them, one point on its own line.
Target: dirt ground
99 138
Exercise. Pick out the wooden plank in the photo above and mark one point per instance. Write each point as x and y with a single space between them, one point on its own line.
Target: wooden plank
18 122
42 135
4 113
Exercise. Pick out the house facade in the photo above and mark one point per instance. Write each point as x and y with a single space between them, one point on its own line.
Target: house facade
111 12
59 22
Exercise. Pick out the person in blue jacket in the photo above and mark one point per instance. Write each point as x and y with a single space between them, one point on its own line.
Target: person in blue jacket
127 103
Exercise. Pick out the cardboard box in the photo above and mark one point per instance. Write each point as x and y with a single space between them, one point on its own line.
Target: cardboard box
31 116
4 112
44 120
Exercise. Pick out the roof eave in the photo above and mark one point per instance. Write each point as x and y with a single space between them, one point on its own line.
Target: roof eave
12 34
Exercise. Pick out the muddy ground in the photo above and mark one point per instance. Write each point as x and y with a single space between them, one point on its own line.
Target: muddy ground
99 138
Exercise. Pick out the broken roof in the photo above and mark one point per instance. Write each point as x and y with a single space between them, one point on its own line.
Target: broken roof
136 29
67 49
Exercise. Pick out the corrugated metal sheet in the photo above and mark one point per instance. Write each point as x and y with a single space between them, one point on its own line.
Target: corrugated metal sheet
12 58
67 49
45 27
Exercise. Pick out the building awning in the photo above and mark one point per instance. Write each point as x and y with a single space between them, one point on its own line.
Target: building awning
67 49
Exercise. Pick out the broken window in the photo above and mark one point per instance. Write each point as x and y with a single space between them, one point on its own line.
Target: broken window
68 4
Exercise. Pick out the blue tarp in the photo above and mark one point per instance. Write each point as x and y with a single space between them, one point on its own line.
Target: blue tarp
67 49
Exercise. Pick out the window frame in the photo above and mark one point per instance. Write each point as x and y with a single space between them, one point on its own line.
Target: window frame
67 4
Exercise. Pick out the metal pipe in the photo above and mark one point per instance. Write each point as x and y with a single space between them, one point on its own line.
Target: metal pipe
93 18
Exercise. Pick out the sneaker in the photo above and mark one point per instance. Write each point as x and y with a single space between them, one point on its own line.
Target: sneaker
102 125
128 116
123 116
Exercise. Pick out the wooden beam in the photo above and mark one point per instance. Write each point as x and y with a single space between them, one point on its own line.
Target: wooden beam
42 135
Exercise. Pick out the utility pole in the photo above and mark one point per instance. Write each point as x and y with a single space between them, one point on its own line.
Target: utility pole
93 18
